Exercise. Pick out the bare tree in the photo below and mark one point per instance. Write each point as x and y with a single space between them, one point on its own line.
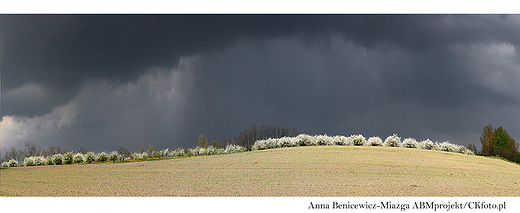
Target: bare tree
473 148
82 150
52 150
13 153
31 149
216 144
124 152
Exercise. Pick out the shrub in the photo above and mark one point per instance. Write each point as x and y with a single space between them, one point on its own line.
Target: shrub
114 156
306 140
357 140
340 140
38 161
101 157
272 143
447 147
323 140
469 152
162 153
153 154
199 151
5 164
48 160
90 157
28 161
393 141
232 148
177 152
459 149
141 156
287 142
34 161
426 144
57 159
374 141
68 158
210 150
78 158
189 152
410 143
12 163
194 151
258 145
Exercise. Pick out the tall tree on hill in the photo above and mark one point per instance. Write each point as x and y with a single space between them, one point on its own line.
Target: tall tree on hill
498 142
487 140
505 146
500 139
203 141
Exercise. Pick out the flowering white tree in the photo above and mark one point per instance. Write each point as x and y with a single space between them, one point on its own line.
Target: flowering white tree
114 156
374 141
90 157
270 143
357 140
306 140
340 140
102 157
392 140
323 140
426 144
410 143
12 163
68 158
57 159
78 158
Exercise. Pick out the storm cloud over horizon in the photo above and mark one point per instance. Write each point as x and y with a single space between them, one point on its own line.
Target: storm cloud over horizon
106 81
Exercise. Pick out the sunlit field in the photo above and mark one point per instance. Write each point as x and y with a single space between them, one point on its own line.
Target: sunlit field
294 171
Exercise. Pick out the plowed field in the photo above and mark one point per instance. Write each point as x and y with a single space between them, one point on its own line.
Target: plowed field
298 171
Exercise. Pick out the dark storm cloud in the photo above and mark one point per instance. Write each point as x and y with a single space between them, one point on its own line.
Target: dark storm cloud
59 52
339 87
102 81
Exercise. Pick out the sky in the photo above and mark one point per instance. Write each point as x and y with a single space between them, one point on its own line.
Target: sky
107 81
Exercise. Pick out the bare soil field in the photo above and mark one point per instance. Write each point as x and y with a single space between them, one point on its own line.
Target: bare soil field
298 171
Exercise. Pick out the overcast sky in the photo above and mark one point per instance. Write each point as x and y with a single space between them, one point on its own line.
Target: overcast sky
106 81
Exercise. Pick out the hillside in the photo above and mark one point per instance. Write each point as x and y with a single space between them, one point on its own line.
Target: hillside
296 171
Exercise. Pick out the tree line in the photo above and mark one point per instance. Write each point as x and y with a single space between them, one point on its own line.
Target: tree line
32 150
249 136
246 138
497 142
